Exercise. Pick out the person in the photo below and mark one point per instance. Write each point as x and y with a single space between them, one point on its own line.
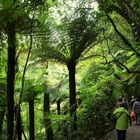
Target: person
123 118
124 101
133 100
133 116
136 109
119 101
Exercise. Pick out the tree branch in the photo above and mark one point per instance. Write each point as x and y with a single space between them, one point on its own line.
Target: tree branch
122 37
91 56
115 60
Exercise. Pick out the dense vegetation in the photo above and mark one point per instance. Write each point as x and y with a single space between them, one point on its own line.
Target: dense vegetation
63 64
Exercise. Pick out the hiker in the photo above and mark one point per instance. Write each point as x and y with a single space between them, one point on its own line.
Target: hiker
133 100
136 109
124 101
119 102
122 116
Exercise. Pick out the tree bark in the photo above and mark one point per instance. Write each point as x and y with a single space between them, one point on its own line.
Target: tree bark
58 106
47 121
31 120
73 103
18 124
10 78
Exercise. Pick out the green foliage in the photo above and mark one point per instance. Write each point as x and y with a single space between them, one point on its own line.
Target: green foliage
71 39
99 91
32 92
2 94
96 117
63 35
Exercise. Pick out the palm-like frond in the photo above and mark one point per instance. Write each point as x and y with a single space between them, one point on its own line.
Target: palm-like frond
70 41
20 13
59 51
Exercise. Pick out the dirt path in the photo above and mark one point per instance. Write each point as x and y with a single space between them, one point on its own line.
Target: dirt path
133 133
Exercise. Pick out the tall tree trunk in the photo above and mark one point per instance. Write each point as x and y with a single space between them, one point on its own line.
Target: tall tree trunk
10 78
18 124
31 119
73 103
58 106
2 113
47 121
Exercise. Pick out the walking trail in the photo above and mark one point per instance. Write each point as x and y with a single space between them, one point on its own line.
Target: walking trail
133 133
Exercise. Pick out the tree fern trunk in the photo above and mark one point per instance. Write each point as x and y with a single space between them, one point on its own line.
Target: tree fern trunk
31 120
18 124
47 121
58 106
73 104
10 78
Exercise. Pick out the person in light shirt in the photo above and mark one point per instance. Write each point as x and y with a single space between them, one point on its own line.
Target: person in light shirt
133 100
136 109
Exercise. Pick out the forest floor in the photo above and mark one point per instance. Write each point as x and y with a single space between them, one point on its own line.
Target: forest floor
133 133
